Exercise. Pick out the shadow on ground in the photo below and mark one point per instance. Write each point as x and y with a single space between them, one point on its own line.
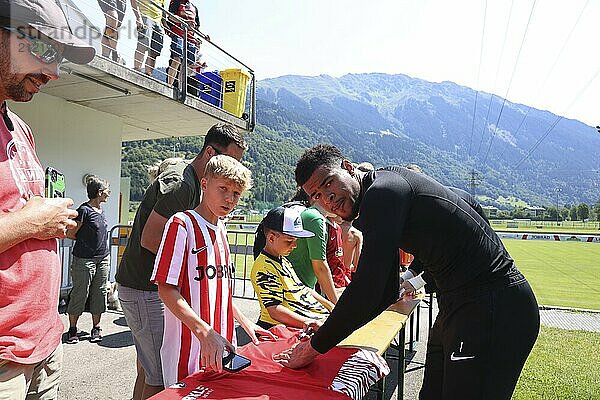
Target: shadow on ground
117 340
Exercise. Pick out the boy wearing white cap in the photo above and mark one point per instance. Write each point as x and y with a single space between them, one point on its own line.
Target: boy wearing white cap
283 298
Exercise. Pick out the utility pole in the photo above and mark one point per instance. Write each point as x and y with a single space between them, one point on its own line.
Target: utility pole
265 188
557 209
473 181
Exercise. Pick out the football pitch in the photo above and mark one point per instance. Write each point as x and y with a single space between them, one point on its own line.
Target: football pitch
565 274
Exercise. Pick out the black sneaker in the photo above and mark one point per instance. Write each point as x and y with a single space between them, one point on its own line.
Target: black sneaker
96 334
72 337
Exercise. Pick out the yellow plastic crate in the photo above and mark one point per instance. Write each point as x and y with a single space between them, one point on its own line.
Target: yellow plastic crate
235 86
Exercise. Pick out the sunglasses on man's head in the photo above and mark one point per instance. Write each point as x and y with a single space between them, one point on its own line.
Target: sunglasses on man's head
43 51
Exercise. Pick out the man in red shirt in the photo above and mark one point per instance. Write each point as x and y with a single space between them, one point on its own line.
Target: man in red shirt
30 270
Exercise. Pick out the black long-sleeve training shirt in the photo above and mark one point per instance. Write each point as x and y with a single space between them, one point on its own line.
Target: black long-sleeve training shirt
417 267
403 209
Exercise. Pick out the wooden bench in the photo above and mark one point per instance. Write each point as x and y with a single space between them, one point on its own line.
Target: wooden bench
378 335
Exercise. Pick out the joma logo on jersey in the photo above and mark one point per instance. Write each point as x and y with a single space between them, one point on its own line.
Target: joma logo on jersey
200 392
212 272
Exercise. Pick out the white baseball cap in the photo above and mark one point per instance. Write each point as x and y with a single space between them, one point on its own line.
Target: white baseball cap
286 220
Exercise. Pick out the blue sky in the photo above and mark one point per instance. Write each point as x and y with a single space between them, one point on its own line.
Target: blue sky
556 67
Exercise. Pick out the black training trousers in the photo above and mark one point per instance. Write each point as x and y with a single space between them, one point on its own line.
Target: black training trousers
479 343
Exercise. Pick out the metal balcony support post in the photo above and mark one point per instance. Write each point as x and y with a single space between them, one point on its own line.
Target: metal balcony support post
252 122
184 66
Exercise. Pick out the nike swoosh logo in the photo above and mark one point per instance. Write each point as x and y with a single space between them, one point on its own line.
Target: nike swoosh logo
459 358
196 251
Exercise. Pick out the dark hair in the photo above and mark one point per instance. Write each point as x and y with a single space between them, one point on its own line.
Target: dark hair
94 185
300 196
223 135
315 157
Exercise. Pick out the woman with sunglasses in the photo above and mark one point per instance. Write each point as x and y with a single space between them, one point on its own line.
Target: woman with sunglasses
90 265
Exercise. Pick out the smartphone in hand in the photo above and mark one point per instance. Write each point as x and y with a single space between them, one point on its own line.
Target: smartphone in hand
234 362
55 183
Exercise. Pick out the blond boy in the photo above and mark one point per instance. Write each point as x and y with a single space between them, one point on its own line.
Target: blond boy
194 273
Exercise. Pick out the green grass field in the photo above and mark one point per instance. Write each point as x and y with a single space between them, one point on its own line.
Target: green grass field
563 365
590 227
565 274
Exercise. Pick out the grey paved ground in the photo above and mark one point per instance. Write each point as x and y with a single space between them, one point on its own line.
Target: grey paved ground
580 321
107 370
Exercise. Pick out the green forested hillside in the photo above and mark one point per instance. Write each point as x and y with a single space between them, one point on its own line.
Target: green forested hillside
395 119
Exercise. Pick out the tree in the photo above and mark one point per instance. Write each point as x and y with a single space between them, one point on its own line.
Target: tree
564 213
583 211
552 213
596 210
518 213
573 213
503 214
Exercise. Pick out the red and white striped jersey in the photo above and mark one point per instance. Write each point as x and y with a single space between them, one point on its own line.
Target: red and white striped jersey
194 256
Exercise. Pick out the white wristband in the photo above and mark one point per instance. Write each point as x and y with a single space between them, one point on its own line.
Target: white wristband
406 275
417 282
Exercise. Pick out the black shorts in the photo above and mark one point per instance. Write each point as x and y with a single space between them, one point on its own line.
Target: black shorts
479 343
117 5
152 38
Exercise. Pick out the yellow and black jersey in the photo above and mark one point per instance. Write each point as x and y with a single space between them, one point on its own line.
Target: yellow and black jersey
275 282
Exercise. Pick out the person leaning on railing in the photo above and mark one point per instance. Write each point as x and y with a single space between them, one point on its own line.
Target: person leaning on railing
114 12
184 12
150 33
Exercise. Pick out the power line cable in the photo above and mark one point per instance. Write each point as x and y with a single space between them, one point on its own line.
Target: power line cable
545 135
510 82
478 75
543 85
487 117
497 74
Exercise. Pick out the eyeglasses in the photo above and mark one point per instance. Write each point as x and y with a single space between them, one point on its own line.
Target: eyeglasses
43 51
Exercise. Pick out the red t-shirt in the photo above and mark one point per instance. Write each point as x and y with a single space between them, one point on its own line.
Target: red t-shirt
30 271
342 373
335 256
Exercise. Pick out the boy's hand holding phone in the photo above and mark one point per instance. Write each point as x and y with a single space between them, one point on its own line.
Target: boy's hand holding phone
211 352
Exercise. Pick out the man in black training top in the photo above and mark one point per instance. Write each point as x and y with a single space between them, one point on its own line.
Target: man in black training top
488 319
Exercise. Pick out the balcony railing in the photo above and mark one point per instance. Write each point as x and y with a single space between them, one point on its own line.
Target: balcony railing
209 74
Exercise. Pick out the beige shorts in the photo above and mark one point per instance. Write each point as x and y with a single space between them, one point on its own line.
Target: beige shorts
31 381
90 281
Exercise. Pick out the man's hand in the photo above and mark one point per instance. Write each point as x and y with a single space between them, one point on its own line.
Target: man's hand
141 27
406 290
298 356
50 218
312 325
211 351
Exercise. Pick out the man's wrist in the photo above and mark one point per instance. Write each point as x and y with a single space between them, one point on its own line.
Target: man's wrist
417 282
